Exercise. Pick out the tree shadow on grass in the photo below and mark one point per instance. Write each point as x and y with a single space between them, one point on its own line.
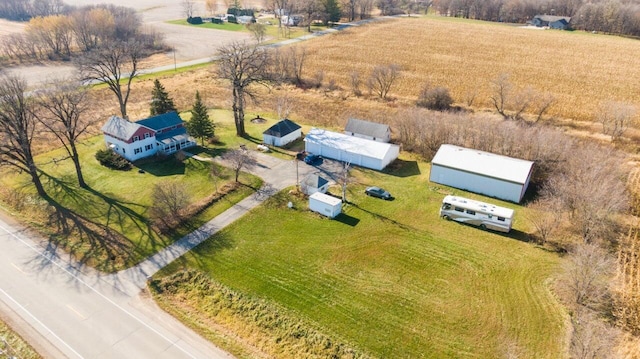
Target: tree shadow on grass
99 242
384 218
167 166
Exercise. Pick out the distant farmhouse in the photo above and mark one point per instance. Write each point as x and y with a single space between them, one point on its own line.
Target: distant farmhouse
369 130
163 134
282 133
552 22
355 150
481 172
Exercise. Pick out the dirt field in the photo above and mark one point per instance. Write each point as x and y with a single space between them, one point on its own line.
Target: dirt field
9 27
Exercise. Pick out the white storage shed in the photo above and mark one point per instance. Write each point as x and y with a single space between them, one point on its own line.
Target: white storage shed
324 204
282 133
481 172
355 150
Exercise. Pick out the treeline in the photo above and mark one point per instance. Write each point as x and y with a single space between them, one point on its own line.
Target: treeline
22 10
610 16
61 33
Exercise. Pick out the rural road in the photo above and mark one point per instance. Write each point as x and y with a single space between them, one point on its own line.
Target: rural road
68 311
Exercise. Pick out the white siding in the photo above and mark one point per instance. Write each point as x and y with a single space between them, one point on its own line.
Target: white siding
128 150
324 204
281 141
472 182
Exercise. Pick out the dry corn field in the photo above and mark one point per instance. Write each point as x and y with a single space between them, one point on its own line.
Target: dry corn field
580 70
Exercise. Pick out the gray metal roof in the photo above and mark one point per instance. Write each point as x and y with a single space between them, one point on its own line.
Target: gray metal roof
356 145
282 128
483 163
315 181
372 129
120 128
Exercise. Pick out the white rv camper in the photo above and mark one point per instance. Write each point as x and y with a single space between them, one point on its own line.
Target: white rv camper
480 214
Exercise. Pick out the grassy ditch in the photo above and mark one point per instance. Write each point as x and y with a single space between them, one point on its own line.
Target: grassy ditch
390 277
13 346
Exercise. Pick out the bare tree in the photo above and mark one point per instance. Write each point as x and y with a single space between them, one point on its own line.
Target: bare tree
591 338
17 128
543 103
115 64
616 118
211 6
283 106
63 103
344 178
501 91
239 160
169 200
92 27
587 274
382 78
545 217
188 6
355 82
243 65
259 31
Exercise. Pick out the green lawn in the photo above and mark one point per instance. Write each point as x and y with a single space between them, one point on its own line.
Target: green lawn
392 278
118 201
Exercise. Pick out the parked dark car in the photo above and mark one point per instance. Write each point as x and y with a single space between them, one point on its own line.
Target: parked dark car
378 192
312 159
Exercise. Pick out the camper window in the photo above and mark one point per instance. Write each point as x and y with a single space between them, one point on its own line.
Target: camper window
471 212
459 209
501 219
446 206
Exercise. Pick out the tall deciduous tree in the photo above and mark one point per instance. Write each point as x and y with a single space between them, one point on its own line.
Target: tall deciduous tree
62 106
243 65
115 64
160 101
239 160
17 128
200 125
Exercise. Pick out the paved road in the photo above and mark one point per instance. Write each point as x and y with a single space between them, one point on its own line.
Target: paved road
68 311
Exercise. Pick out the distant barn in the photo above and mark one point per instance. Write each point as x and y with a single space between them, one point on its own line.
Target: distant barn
366 129
481 172
552 22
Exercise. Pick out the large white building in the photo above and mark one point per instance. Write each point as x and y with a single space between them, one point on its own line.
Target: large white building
355 150
481 172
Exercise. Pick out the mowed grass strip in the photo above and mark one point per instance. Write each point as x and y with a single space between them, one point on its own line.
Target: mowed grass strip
391 277
580 70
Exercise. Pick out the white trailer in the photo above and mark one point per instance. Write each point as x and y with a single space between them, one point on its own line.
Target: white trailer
324 204
480 214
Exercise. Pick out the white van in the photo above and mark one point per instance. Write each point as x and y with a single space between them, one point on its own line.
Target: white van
480 214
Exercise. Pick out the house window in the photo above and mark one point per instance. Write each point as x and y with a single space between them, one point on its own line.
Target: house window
137 150
136 138
147 135
148 147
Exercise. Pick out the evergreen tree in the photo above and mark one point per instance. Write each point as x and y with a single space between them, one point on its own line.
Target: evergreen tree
160 100
200 126
332 11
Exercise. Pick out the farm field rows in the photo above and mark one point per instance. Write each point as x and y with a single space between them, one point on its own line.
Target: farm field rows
580 70
391 278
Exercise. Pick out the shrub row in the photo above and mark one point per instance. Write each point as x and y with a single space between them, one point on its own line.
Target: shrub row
110 159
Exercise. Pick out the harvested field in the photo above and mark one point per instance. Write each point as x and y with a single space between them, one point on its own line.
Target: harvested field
580 70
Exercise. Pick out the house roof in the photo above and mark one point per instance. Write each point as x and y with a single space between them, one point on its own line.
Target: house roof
315 181
483 163
552 18
120 128
372 129
160 122
325 198
282 128
177 134
352 144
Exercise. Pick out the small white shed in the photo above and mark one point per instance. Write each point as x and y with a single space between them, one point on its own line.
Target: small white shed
282 133
314 183
324 204
481 172
355 150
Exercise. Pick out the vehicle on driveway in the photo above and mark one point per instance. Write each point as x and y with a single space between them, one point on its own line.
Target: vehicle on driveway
378 193
312 159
